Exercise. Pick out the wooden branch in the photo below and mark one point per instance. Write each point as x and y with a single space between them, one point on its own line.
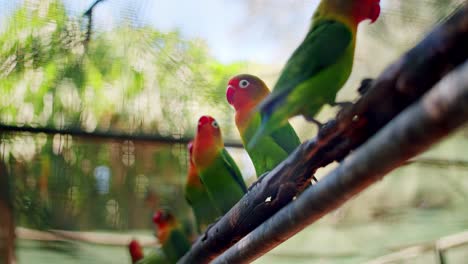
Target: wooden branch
106 239
441 163
396 88
440 244
106 135
90 9
438 113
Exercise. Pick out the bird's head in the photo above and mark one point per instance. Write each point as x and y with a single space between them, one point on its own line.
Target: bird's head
208 142
356 10
162 219
366 9
165 222
208 131
245 91
136 251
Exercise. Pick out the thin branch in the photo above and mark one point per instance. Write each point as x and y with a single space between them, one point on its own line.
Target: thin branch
89 14
107 239
440 163
90 9
106 135
437 114
397 87
442 244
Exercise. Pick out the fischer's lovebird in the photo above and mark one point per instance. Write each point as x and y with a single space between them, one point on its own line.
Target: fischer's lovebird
156 256
319 67
244 93
216 168
169 233
197 196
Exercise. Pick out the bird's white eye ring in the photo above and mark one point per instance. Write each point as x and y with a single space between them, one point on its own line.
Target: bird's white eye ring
243 84
214 124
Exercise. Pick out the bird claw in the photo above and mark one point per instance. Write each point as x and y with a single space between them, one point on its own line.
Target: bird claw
205 234
313 120
342 104
258 181
365 85
314 179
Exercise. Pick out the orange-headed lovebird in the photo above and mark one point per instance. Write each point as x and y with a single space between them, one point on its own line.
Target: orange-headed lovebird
169 233
218 171
197 196
156 256
244 93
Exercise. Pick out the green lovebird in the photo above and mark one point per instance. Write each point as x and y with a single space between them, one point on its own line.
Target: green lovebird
197 197
154 257
218 171
136 252
319 67
244 93
169 233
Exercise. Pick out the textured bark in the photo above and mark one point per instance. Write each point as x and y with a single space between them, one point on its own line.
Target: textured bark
438 113
401 84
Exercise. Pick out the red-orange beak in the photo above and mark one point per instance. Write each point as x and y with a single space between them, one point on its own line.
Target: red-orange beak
374 11
230 94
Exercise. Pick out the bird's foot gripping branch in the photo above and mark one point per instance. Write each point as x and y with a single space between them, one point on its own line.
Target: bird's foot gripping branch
400 85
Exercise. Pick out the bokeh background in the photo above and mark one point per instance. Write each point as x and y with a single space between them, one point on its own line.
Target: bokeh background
151 67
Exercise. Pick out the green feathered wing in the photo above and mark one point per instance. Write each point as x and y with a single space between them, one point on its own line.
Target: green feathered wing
312 77
203 208
223 181
176 245
154 257
272 149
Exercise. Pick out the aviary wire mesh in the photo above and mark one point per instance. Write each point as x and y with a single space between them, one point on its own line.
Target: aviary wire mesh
152 68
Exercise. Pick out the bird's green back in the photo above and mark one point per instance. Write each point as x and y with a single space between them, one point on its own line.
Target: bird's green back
223 182
154 257
176 245
203 207
286 137
325 45
272 149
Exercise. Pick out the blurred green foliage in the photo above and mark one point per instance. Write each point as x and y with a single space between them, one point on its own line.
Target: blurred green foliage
129 79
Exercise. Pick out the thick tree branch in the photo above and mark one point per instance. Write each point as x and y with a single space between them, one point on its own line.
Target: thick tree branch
397 87
438 113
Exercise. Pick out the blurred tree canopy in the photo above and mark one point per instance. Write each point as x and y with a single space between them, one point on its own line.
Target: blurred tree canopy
129 79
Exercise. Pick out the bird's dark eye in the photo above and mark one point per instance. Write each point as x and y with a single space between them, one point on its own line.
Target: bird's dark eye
243 84
214 124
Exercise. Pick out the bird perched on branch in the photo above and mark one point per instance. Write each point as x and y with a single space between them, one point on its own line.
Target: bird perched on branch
136 253
197 196
319 67
244 93
169 233
216 168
